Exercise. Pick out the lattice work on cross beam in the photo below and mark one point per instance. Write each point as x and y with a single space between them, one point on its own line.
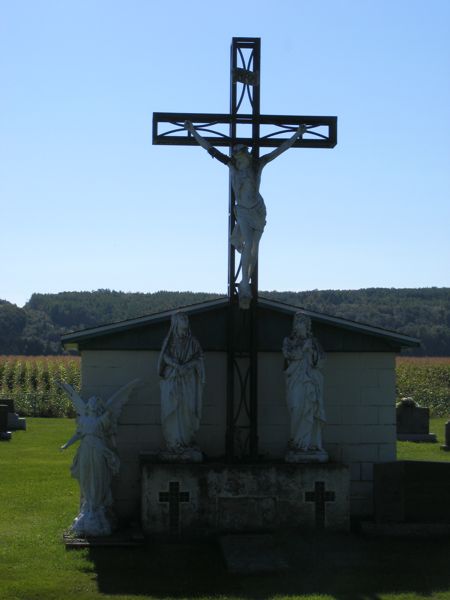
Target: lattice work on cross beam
168 129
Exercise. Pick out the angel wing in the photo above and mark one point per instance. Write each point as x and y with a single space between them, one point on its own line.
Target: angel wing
117 400
77 401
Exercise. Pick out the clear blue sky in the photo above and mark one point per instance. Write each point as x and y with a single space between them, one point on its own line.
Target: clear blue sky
87 202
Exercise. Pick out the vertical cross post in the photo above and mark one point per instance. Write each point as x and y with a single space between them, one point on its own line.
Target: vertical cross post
244 89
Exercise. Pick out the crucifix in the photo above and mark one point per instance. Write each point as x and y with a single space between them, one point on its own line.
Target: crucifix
242 128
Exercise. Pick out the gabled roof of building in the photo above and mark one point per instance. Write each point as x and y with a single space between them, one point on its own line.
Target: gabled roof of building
209 323
145 320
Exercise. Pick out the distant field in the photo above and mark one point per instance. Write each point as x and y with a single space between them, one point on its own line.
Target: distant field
423 360
427 380
31 382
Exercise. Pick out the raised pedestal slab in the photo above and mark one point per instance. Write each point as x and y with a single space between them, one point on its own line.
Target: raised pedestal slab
209 498
417 437
309 456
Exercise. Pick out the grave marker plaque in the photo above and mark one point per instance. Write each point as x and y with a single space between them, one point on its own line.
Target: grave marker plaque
413 422
5 435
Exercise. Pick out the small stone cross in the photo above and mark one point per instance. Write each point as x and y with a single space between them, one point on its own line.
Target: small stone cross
174 497
319 497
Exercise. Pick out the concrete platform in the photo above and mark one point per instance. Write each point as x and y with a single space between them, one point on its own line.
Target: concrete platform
196 500
417 437
121 538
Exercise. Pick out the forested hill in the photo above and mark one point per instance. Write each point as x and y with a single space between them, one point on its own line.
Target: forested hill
36 328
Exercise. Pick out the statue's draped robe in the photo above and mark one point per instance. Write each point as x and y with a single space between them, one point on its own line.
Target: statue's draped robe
94 466
304 394
181 391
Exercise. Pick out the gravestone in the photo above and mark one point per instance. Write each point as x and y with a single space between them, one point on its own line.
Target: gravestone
413 422
446 446
5 435
15 422
412 492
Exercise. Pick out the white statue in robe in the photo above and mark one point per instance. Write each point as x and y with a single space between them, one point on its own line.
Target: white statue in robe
182 371
96 461
304 393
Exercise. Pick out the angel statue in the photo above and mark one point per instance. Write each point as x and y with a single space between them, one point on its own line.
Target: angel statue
304 392
95 461
182 371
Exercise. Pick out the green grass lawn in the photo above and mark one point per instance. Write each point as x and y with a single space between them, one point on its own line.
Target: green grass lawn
426 451
38 500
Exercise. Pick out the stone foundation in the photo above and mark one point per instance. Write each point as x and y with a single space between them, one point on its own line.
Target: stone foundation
209 498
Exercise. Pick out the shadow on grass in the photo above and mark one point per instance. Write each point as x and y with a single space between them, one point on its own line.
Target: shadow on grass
345 567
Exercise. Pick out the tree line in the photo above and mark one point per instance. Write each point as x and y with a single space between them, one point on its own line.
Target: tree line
36 328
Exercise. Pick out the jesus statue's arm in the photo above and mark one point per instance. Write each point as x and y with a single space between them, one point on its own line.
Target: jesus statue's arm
206 145
283 147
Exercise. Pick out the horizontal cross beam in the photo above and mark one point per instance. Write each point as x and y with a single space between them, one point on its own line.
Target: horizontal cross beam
168 129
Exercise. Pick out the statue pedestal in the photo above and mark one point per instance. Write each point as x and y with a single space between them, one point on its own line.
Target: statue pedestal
187 455
198 499
310 456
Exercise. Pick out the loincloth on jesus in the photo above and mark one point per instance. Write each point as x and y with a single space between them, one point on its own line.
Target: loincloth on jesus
254 217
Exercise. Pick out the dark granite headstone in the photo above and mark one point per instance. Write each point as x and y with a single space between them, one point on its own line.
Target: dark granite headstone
446 446
413 422
412 492
4 433
14 421
9 403
3 417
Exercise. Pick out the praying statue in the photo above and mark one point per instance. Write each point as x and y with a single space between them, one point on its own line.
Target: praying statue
249 210
96 460
304 392
182 372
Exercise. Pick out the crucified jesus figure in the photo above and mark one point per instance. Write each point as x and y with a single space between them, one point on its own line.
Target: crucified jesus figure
250 210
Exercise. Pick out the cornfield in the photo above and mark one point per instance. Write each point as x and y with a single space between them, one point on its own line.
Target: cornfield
427 381
32 383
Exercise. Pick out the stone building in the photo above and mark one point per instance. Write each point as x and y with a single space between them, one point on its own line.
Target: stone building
359 392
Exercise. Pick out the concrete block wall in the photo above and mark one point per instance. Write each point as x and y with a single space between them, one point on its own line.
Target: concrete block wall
359 404
359 397
104 372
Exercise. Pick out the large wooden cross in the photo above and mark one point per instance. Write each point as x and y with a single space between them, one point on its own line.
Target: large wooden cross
244 124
